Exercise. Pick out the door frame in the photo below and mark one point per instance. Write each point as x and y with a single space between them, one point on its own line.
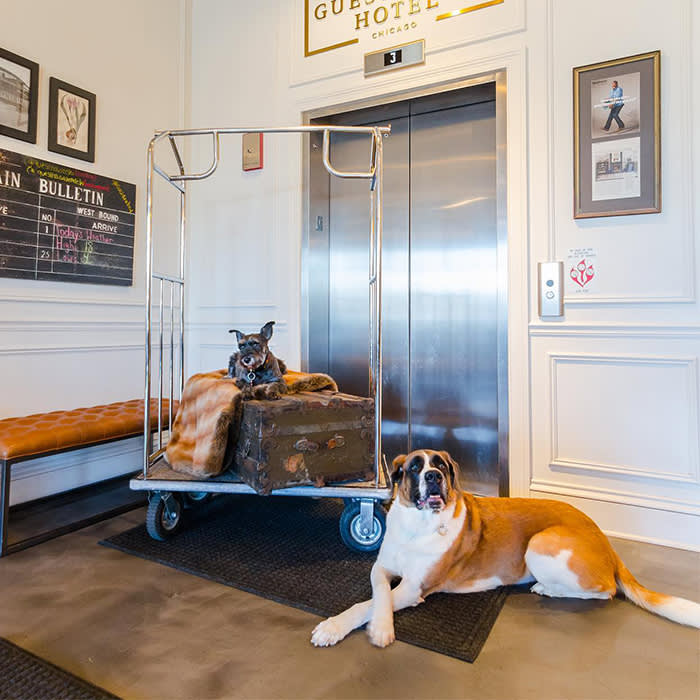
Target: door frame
313 189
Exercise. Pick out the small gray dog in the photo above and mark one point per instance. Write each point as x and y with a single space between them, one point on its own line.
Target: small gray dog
257 372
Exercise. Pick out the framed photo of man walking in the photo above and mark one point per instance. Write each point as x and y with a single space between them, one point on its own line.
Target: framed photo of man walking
617 137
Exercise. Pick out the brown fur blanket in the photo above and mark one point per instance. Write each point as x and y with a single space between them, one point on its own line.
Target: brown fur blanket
210 406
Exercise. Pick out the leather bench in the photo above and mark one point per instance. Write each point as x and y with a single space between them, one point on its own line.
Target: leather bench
43 434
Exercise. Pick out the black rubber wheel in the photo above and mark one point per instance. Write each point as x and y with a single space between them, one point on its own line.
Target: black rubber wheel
196 498
164 516
352 535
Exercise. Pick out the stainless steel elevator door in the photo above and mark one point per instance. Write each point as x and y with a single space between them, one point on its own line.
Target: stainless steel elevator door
440 279
348 317
453 303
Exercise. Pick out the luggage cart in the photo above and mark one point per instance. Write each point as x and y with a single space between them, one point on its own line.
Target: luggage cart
362 523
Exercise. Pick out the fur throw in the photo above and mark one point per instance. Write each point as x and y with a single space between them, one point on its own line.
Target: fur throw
210 406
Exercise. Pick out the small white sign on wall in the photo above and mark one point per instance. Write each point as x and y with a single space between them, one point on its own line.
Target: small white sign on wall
581 271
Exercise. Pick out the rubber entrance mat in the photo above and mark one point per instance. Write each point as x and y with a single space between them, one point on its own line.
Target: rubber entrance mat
24 676
289 550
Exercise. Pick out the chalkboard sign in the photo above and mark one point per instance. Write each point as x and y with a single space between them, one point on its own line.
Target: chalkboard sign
62 224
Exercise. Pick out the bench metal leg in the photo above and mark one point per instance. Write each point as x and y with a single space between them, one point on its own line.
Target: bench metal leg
5 477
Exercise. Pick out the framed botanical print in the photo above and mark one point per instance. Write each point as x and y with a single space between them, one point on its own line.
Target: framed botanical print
71 120
19 91
617 137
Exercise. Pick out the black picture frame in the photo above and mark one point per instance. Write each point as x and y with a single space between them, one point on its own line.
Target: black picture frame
18 100
617 137
69 108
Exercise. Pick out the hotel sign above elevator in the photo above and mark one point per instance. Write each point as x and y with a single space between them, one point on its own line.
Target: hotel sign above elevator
372 24
336 36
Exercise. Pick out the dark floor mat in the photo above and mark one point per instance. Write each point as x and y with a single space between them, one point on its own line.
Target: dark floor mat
25 676
289 550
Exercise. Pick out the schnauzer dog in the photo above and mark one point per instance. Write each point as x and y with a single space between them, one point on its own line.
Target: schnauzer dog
256 371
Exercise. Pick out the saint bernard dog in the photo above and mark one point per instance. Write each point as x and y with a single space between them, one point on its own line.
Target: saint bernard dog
442 539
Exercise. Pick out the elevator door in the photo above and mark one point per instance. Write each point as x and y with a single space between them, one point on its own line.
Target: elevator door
440 289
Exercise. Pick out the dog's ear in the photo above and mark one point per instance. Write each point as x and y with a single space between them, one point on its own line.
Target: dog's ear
266 330
453 467
239 335
397 469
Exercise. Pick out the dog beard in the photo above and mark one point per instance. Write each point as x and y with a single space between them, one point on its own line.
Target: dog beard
252 361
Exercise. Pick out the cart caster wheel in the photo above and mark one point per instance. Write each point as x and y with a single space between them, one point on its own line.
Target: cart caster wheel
351 530
196 498
164 516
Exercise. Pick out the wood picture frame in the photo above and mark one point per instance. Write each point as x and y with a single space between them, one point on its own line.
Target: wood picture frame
19 96
72 113
617 137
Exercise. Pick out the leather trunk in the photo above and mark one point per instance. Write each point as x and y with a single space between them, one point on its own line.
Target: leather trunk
308 438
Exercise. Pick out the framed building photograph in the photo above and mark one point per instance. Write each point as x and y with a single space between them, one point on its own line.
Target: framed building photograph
617 137
71 120
19 92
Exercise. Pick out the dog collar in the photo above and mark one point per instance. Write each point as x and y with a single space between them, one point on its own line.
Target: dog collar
251 377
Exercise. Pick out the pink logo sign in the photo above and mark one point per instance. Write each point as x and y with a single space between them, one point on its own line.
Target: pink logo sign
582 273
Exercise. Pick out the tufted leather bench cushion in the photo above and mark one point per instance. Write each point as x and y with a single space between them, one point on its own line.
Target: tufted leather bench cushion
44 433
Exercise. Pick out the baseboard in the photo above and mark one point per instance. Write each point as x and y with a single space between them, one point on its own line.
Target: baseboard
630 522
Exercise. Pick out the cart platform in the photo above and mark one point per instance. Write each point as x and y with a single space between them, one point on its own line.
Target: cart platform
161 477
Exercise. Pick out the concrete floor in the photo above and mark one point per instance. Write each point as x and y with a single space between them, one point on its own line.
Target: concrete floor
142 630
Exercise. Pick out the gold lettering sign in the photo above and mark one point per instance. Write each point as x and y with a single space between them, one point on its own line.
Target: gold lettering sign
333 24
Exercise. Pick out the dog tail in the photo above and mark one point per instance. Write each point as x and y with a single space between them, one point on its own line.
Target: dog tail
686 612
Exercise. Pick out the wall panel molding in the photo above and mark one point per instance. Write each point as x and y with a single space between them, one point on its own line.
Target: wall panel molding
616 330
43 350
689 364
69 301
592 300
619 470
615 496
204 325
238 307
66 326
404 81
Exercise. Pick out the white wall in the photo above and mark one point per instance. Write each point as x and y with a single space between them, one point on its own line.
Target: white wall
604 403
64 345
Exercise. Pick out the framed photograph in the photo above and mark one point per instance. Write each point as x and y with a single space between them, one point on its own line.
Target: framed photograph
19 91
71 120
617 137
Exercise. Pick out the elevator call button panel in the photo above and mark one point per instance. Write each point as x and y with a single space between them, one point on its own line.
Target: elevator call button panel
551 294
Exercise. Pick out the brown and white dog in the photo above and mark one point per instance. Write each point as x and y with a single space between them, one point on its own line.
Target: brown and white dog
442 539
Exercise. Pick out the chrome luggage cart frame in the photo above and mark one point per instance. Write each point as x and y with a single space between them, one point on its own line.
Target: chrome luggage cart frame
362 522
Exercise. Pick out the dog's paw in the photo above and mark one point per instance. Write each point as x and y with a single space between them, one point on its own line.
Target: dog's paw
259 391
327 633
246 392
265 391
381 633
272 392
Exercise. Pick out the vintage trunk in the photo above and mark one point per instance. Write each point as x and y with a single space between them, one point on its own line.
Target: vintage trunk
309 438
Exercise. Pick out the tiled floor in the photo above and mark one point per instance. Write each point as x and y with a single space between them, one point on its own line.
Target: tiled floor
142 630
